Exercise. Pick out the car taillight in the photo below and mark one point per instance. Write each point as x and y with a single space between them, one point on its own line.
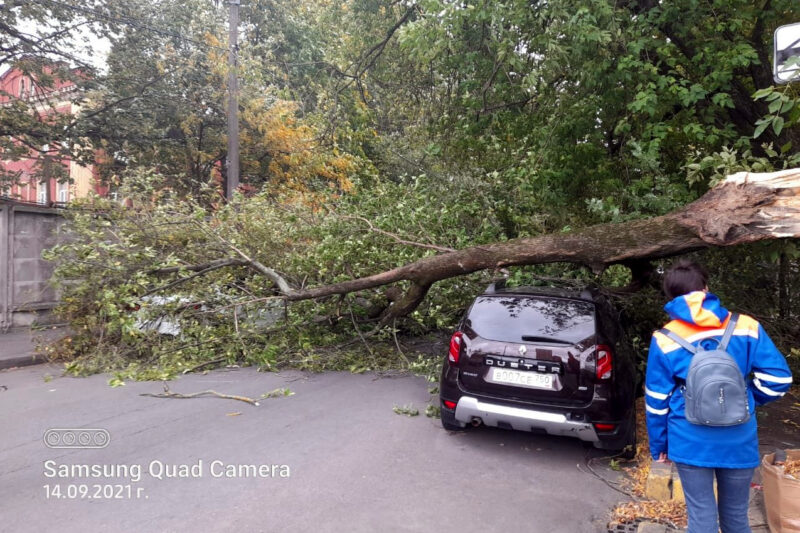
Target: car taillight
449 404
603 361
605 427
455 347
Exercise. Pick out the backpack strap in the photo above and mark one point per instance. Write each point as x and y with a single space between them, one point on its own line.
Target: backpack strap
680 340
723 343
726 337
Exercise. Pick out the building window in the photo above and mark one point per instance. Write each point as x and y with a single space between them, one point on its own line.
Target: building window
41 192
63 192
26 88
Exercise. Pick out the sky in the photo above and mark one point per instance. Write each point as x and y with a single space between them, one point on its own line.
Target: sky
82 38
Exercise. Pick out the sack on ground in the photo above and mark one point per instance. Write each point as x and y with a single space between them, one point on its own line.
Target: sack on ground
781 494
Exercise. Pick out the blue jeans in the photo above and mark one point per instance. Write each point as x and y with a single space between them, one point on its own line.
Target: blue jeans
733 487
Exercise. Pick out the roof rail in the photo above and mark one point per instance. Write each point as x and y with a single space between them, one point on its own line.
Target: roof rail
495 286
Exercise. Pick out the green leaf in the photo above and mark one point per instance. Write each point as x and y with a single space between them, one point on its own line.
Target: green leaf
761 93
285 391
786 147
777 125
775 106
723 100
760 129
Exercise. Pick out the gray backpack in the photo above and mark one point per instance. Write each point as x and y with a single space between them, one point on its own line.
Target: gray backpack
715 389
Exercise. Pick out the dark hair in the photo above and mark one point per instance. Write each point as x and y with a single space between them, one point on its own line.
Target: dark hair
684 277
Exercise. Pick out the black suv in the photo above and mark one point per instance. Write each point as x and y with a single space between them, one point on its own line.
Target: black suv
545 360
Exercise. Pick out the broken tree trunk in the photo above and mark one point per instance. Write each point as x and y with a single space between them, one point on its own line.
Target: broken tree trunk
745 207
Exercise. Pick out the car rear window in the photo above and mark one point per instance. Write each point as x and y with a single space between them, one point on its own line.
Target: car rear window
510 318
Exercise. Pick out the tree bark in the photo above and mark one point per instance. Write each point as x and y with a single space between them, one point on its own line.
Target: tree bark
783 287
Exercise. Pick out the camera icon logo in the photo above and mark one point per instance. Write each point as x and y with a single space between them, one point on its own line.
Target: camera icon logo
76 438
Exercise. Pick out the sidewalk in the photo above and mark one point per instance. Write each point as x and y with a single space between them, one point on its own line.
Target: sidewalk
17 347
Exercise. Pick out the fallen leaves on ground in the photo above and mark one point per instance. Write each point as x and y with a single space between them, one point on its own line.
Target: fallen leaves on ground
791 423
408 410
277 393
790 468
670 512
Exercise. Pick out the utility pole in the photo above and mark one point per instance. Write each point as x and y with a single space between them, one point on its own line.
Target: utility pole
233 99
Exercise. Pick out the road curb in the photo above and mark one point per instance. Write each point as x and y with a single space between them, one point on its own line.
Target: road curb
25 360
652 527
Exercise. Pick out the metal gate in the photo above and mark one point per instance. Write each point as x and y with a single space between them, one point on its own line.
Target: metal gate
25 231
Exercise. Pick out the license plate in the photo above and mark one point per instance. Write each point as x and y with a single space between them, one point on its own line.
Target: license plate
532 380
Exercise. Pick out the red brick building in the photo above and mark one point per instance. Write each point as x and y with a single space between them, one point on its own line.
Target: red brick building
16 84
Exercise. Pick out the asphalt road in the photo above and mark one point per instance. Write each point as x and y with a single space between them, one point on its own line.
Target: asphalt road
353 464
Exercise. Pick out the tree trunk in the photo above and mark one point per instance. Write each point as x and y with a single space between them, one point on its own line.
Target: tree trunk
783 287
746 207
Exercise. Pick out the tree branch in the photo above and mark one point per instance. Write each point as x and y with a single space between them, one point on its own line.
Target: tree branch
211 265
272 275
398 238
195 275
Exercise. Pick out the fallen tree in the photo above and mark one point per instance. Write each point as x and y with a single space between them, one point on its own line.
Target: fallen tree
745 207
221 278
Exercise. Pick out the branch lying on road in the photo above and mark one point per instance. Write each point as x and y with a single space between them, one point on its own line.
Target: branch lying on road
169 394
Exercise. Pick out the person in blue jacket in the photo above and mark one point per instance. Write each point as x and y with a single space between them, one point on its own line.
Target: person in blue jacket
702 453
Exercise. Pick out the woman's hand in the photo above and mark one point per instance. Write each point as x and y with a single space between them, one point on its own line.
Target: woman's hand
662 458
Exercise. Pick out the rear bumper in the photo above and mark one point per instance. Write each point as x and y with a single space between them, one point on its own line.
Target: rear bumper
496 415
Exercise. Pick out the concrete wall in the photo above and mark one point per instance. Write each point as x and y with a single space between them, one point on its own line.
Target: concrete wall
25 231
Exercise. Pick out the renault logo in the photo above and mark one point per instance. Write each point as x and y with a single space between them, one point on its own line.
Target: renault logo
523 350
